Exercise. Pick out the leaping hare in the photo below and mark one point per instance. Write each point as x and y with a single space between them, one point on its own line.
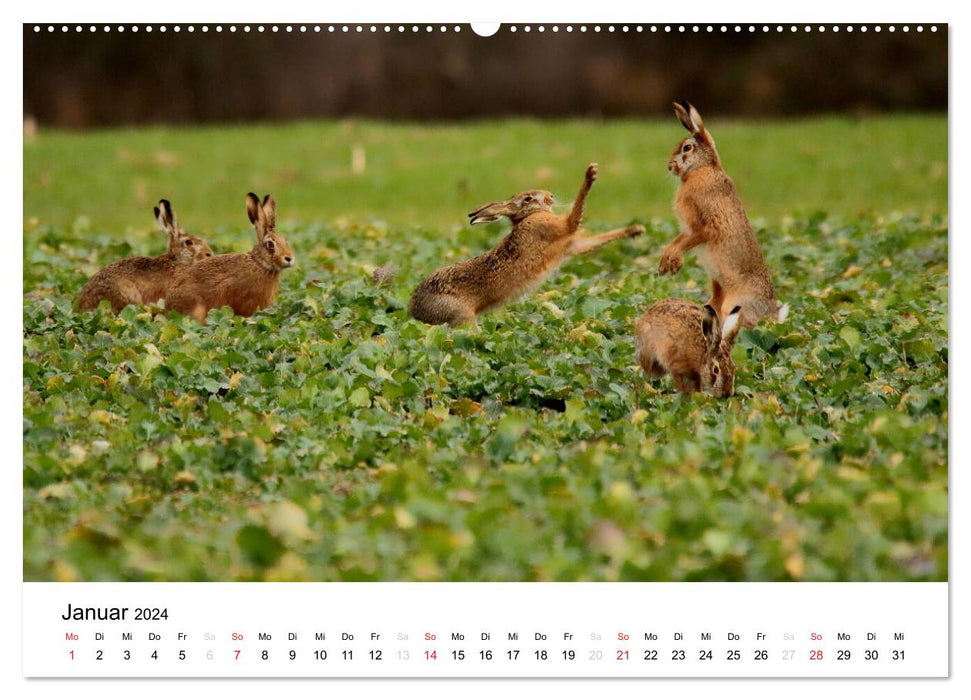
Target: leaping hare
245 281
713 221
685 340
143 279
539 241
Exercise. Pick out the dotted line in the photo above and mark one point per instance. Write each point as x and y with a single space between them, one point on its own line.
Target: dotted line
414 28
725 28
246 28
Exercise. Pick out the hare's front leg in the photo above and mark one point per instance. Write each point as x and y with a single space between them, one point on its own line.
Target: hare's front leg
673 256
576 213
680 384
584 244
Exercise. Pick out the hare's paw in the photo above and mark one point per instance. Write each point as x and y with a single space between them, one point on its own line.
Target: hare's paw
592 171
634 231
670 262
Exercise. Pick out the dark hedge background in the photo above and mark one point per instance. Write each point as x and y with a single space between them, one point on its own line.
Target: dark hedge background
93 79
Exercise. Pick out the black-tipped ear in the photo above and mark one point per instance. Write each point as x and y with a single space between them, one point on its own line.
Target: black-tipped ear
253 207
681 112
269 208
166 218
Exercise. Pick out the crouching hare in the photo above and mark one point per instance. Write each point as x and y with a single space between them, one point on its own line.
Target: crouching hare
144 279
685 340
713 221
539 241
246 282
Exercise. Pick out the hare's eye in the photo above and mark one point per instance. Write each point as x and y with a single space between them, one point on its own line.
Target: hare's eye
686 148
188 242
528 199
270 246
715 370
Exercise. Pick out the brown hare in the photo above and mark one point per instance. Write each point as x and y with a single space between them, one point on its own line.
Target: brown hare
713 222
685 340
144 279
539 241
246 282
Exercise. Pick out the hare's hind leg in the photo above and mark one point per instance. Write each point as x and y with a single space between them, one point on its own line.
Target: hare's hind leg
124 293
584 244
754 309
649 363
437 309
199 313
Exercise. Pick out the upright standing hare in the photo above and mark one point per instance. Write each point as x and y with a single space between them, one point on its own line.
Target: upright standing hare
539 241
245 281
713 221
143 279
684 339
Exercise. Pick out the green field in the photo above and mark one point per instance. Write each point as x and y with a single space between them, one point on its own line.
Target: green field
333 438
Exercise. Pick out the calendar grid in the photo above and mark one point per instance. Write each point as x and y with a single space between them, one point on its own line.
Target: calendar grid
486 630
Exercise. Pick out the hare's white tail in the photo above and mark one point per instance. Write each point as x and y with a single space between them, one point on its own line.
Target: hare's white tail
782 313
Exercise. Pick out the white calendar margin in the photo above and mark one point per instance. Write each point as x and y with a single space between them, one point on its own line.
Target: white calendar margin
541 615
511 11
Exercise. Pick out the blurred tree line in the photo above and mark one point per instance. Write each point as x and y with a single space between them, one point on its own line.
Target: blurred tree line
93 79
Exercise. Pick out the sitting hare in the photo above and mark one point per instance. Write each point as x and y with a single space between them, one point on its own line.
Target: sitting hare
539 241
143 279
246 282
713 222
685 340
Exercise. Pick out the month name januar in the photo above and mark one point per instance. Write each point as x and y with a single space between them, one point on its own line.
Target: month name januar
76 613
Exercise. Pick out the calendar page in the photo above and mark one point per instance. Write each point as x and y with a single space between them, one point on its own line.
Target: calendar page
532 349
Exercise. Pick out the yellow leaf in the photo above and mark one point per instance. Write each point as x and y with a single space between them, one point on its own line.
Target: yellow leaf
404 519
795 565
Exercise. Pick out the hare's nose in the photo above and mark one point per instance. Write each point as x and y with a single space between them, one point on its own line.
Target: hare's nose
288 259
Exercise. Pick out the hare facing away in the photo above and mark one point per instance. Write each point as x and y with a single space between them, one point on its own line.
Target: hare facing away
143 279
246 282
713 221
685 340
539 241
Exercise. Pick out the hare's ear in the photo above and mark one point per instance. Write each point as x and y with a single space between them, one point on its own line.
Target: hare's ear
166 219
690 118
682 114
709 326
697 124
257 216
269 208
731 327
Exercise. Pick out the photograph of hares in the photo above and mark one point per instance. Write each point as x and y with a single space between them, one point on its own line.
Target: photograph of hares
564 303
